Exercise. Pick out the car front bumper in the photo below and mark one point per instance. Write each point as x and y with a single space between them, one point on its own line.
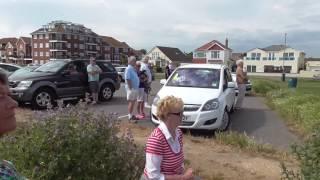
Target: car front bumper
208 120
21 95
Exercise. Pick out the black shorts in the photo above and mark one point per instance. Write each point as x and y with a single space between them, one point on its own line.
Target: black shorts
93 86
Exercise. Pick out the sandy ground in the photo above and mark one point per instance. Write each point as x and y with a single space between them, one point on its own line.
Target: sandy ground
214 161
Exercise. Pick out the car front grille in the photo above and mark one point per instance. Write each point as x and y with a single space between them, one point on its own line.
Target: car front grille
191 107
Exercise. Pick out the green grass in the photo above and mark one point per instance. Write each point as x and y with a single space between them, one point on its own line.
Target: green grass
299 106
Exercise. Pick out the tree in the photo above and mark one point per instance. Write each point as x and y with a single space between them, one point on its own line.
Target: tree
143 51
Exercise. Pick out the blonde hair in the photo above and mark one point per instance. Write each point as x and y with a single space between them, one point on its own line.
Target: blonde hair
166 104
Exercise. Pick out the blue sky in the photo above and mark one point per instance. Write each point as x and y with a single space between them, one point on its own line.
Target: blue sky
186 24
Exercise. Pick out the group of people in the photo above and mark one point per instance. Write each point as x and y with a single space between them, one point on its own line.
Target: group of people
164 147
138 80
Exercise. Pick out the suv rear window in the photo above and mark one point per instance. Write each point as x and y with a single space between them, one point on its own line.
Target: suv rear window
106 67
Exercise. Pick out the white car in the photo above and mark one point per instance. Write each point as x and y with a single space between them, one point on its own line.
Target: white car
207 91
121 70
248 85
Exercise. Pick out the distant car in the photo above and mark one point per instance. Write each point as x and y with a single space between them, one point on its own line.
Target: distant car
316 77
5 71
207 91
121 70
248 84
9 67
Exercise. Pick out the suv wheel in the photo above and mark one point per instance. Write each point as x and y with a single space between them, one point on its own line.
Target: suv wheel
106 92
225 121
42 98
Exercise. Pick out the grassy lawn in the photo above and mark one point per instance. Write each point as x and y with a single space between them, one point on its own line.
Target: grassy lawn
299 106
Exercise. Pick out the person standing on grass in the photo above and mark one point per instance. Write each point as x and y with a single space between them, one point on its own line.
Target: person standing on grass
132 86
93 77
241 82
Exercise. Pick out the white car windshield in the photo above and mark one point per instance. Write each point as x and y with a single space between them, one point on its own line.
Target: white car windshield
195 77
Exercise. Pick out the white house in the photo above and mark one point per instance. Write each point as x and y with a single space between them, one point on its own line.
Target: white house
160 56
213 52
273 59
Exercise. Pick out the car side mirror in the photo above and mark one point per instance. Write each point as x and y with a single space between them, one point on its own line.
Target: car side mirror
163 81
231 85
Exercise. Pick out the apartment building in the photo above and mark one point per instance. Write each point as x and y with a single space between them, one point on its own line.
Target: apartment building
66 40
117 50
273 59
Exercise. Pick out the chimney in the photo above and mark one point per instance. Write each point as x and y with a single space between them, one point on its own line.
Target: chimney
227 43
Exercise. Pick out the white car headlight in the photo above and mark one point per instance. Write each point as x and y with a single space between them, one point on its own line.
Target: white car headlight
155 100
24 84
211 105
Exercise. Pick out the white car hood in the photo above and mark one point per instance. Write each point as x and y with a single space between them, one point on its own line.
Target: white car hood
190 95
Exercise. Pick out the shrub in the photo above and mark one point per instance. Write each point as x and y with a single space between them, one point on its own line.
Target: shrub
73 143
309 158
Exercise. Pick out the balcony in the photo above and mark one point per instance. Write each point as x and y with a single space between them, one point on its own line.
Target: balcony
287 58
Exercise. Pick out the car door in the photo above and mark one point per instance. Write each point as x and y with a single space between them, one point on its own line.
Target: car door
230 91
71 82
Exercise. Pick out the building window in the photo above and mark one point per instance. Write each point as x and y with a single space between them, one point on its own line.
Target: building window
81 46
35 45
107 48
98 48
47 36
21 47
291 56
75 45
10 53
81 38
199 54
251 68
81 54
41 53
68 36
75 37
40 36
255 56
107 56
41 45
47 45
215 54
35 53
69 45
35 36
47 54
41 62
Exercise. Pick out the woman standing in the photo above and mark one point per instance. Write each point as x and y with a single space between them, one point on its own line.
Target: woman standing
164 149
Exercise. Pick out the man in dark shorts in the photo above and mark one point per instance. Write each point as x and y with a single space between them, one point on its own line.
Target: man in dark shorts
93 77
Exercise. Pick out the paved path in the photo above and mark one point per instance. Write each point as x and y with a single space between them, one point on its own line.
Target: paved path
255 119
265 125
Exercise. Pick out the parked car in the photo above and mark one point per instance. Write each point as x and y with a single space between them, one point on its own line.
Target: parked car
9 67
55 80
248 85
207 91
121 70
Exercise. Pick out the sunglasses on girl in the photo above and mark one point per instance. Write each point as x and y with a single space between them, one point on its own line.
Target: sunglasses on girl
177 114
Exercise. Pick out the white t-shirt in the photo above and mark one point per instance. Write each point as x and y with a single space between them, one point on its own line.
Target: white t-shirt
145 67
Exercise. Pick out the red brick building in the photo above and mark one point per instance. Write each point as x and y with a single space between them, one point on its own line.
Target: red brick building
213 52
119 51
16 50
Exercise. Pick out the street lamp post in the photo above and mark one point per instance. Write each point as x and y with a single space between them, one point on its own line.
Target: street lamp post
283 58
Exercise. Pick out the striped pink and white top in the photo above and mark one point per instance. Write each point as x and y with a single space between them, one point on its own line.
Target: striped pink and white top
158 145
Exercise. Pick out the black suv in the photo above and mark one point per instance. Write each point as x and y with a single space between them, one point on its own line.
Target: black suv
62 79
